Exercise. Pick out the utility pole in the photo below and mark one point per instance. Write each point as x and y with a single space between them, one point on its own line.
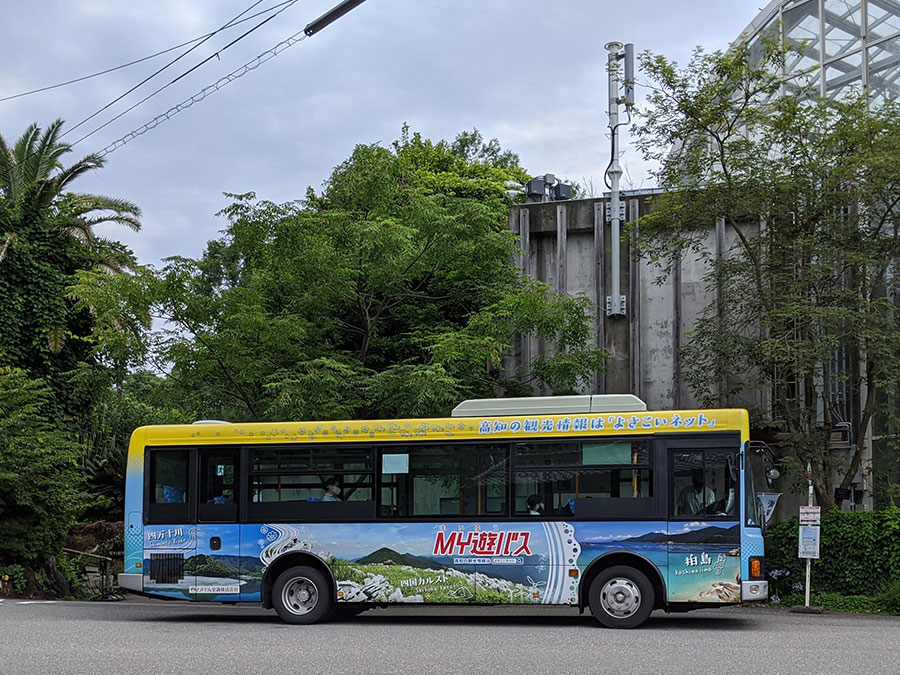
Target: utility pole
615 302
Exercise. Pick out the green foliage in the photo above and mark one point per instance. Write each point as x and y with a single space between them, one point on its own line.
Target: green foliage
207 566
807 190
392 293
106 431
346 571
860 554
46 236
14 576
889 599
39 481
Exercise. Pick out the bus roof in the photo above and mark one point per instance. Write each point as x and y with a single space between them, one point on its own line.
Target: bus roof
550 405
482 427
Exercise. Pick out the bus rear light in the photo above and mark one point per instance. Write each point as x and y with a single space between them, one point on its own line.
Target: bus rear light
756 568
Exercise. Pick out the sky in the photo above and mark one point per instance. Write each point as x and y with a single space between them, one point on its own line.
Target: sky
531 74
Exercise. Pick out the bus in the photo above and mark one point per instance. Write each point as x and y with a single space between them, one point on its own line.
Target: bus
590 501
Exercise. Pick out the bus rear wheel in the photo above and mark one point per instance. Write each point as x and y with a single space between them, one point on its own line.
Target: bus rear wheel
302 595
621 597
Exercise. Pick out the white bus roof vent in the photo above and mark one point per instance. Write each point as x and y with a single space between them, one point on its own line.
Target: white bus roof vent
210 422
617 403
549 405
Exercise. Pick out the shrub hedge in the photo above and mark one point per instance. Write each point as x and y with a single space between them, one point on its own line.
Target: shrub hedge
860 554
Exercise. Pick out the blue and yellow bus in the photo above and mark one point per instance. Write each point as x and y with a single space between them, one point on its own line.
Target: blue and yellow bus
588 501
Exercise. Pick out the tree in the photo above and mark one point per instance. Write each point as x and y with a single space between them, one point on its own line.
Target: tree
105 432
809 188
46 234
39 483
391 293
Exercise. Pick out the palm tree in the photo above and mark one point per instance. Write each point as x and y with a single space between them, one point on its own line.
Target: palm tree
34 188
47 233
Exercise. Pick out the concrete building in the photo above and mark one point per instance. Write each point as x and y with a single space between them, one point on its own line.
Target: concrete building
843 44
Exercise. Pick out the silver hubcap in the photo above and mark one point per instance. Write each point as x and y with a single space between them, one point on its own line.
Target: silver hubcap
620 597
299 596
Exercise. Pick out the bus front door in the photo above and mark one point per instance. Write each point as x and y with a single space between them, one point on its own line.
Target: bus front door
704 529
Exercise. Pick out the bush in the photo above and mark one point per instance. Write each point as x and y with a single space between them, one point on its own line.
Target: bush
889 599
860 554
12 580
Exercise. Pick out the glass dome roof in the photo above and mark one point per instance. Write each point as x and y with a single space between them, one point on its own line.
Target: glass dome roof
844 44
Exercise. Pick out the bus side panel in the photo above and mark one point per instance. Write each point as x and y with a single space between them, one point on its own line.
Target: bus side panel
169 554
704 562
533 561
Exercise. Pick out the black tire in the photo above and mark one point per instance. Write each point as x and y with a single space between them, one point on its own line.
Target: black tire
302 595
621 597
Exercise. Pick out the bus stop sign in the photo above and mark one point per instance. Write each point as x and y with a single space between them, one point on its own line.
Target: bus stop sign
810 515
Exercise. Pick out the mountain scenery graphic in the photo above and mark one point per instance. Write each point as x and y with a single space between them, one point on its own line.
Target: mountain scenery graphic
387 556
706 535
232 563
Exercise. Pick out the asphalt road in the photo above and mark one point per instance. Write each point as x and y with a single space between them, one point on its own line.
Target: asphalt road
144 636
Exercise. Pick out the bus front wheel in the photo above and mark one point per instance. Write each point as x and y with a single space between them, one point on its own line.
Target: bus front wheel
621 597
302 595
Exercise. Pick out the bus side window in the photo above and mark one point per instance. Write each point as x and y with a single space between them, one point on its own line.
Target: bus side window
167 486
168 470
590 479
448 479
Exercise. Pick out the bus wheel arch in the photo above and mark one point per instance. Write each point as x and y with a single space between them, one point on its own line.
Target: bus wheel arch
623 559
286 562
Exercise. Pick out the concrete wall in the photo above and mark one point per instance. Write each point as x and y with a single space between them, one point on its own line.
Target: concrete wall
568 247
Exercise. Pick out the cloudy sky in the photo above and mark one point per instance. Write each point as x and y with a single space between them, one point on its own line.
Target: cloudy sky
529 73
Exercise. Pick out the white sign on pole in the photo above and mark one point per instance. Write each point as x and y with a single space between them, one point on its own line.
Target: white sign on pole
809 542
810 515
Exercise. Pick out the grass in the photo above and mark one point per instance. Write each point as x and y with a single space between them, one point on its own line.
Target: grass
835 602
443 588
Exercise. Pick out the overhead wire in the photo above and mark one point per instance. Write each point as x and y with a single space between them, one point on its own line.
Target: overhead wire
141 60
206 91
311 29
187 72
170 63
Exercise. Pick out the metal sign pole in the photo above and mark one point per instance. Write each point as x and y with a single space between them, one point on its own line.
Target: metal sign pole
809 502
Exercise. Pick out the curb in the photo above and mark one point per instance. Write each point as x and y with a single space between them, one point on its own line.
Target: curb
802 609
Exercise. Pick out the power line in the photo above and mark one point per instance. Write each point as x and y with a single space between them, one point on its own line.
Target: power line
203 93
147 79
184 74
311 29
141 60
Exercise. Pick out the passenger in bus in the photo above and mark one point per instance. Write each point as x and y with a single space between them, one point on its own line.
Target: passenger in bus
694 498
535 505
332 490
